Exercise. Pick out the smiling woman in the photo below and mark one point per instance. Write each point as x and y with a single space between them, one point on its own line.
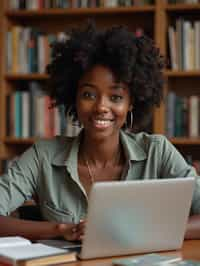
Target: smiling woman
102 104
104 78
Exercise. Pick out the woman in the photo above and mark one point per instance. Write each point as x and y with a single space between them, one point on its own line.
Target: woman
104 79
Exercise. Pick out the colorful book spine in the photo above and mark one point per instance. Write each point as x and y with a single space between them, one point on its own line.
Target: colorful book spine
18 114
182 115
184 41
30 114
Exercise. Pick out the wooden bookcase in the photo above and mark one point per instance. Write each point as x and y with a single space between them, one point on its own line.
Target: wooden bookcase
154 19
184 83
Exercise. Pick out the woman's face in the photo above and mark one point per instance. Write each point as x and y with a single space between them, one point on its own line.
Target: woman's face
102 103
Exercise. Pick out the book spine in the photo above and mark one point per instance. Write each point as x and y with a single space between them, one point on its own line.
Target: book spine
8 112
196 44
178 117
194 116
25 114
15 48
9 42
18 114
172 48
179 30
170 114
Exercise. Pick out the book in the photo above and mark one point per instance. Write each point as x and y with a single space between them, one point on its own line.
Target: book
59 243
146 260
184 263
20 251
170 114
25 114
194 116
173 47
13 241
154 260
178 117
18 114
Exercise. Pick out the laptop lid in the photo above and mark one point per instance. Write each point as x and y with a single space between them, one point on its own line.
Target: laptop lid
137 216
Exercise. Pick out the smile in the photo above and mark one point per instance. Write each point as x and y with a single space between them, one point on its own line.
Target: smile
102 123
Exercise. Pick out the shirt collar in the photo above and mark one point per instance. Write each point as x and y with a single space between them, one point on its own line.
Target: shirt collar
69 155
133 150
69 158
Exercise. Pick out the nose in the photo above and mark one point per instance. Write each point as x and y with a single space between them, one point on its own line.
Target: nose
102 105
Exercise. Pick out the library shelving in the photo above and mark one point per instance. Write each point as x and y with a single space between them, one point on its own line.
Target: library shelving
181 49
153 17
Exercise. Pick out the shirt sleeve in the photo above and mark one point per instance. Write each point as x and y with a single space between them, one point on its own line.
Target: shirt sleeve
20 182
174 165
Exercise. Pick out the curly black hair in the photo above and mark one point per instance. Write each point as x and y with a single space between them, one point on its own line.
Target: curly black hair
136 61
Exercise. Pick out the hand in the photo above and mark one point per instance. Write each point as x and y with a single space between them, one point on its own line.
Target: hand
81 229
72 232
69 231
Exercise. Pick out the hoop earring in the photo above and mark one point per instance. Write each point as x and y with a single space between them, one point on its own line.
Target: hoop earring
72 117
69 114
129 120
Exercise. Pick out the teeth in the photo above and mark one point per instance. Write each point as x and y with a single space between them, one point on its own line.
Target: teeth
102 122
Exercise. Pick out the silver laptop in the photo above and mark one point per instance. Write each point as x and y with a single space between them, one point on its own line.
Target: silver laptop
136 217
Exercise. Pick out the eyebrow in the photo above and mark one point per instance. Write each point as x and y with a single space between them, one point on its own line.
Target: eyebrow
115 86
86 85
118 86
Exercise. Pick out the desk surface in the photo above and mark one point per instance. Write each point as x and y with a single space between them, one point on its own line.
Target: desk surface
190 250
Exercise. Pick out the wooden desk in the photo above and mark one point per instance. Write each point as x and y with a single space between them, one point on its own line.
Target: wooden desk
190 250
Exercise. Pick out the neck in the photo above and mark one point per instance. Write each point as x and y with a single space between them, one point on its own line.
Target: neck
102 152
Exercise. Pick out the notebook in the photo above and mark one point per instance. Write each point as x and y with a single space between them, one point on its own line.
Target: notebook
20 251
133 217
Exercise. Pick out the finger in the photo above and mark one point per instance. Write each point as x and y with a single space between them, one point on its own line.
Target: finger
74 229
81 224
81 232
65 227
82 221
81 237
69 231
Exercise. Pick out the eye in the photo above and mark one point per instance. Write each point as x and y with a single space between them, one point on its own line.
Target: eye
116 98
88 95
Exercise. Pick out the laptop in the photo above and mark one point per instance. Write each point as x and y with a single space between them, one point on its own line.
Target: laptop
133 217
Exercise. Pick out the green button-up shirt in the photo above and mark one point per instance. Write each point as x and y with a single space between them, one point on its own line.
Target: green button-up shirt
48 170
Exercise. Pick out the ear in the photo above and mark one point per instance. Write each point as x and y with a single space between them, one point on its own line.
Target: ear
130 108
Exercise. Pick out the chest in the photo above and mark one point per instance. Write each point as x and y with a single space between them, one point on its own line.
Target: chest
60 193
89 176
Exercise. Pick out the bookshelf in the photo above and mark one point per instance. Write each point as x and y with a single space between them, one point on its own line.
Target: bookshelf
185 80
153 18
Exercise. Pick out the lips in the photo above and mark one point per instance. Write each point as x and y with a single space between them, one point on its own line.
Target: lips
102 123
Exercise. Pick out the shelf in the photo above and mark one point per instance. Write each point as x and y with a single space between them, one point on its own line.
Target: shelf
176 74
35 76
185 141
79 11
182 7
51 21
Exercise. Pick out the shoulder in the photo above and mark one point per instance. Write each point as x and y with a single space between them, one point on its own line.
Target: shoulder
53 146
55 142
147 141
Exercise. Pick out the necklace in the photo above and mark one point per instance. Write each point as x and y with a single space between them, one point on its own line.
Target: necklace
92 178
